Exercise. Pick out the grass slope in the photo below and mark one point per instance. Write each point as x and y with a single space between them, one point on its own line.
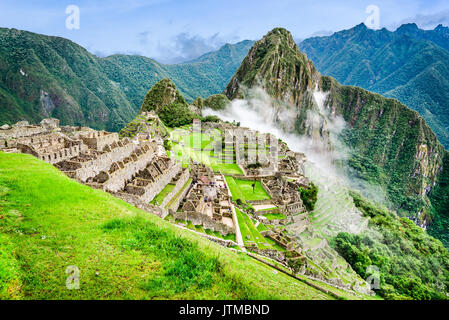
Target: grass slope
49 222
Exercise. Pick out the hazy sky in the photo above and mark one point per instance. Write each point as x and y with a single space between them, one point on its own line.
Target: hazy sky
175 30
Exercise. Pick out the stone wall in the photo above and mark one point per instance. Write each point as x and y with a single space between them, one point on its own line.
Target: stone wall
114 181
135 201
153 189
199 219
57 156
100 162
179 184
97 140
19 132
175 205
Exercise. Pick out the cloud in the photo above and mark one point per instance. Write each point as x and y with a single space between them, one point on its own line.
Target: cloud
261 112
322 33
143 37
185 47
428 21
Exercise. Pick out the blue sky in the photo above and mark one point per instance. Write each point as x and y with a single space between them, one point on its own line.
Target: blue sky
175 30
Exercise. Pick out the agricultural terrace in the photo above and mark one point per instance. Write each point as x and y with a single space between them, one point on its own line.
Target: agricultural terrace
199 147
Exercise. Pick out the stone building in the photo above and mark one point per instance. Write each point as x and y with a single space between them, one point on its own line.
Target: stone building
208 202
153 178
97 158
284 193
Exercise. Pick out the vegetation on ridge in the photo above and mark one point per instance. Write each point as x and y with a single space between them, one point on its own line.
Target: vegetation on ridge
411 264
43 76
409 64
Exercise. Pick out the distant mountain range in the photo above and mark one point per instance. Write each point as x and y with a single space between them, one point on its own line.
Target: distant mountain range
43 76
409 64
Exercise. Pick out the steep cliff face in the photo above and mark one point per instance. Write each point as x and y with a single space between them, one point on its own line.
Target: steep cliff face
409 64
391 144
276 65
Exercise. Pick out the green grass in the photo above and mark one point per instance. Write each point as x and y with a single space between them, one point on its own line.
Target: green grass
49 222
217 234
243 190
161 196
234 188
274 216
178 194
227 168
268 209
247 228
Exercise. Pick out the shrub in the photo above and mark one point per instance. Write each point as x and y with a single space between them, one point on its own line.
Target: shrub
176 115
211 119
309 196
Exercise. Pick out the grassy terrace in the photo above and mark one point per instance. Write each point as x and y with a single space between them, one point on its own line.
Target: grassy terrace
161 196
274 216
203 154
49 222
213 233
243 190
178 194
251 234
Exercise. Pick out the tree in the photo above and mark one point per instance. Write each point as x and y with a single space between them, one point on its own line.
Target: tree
176 115
309 196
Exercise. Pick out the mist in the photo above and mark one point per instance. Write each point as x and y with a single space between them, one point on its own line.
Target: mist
263 113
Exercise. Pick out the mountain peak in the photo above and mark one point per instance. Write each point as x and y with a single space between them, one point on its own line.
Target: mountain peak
161 94
407 27
274 63
441 29
361 26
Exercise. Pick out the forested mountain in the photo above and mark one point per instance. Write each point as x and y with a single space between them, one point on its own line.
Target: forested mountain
43 76
409 64
391 145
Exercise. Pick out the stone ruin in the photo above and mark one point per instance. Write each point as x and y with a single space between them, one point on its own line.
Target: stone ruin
257 154
284 192
136 169
292 255
97 158
208 202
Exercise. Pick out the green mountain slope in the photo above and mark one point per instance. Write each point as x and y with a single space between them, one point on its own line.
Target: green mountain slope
48 76
49 222
408 64
391 145
42 76
411 263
